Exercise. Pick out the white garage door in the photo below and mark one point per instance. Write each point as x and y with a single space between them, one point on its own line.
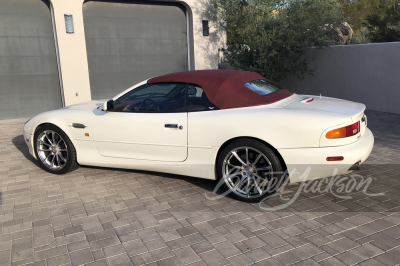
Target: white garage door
29 81
128 42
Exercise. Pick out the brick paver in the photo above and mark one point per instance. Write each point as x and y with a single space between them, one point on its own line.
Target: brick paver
95 216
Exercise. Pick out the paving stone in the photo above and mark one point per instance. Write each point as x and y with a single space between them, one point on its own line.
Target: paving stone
59 260
214 258
119 260
22 255
240 260
135 247
51 252
227 249
157 255
186 255
73 230
172 261
22 243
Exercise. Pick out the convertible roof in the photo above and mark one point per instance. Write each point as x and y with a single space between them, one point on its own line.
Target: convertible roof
225 88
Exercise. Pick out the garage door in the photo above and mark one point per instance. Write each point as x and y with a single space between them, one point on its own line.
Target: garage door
128 42
29 81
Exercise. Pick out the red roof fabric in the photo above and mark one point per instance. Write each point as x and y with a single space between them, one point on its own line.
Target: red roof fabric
225 88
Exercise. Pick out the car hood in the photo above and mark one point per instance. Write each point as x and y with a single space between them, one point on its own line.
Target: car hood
86 105
326 104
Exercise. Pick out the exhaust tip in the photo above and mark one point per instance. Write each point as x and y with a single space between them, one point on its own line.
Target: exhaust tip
355 167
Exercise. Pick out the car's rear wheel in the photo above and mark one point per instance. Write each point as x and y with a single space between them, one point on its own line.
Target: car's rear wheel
251 171
54 150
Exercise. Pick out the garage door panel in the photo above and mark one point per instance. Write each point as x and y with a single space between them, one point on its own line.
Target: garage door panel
142 10
28 65
98 47
29 81
116 28
28 7
31 85
132 41
112 63
18 111
20 46
25 25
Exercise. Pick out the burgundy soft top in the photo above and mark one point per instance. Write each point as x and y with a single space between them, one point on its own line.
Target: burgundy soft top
225 88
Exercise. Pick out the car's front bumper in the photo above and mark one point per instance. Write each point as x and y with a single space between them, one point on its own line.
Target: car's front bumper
311 163
28 138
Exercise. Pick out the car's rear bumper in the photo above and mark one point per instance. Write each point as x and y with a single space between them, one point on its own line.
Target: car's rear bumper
310 163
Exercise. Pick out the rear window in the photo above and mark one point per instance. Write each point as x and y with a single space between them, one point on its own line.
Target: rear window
263 87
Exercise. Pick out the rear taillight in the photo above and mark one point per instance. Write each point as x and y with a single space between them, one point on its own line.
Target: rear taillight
344 132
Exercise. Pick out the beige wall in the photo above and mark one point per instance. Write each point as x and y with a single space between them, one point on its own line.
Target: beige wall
72 47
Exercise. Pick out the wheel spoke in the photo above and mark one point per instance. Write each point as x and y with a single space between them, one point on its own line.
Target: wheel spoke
58 160
257 186
239 183
53 137
247 156
263 168
234 166
229 175
45 159
63 150
52 162
237 157
62 157
48 139
44 143
40 149
264 180
257 159
248 186
232 175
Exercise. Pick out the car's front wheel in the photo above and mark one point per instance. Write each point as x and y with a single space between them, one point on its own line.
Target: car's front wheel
249 170
54 150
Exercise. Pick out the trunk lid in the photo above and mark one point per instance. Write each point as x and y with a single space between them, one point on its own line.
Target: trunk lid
326 104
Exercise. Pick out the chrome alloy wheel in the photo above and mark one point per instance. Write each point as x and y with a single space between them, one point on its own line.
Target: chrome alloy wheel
246 171
52 150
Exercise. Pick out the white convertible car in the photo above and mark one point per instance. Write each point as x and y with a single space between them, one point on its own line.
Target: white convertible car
227 125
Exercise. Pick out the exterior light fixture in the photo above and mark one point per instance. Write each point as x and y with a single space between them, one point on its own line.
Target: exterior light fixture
206 28
69 23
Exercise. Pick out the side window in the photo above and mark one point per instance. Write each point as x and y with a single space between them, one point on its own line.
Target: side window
155 98
197 100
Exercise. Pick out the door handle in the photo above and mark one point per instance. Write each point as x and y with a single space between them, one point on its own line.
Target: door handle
173 126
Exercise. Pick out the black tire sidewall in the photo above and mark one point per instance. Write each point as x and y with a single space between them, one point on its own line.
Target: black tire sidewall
71 160
271 155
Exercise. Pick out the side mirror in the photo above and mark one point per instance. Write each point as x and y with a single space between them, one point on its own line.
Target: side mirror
108 105
192 91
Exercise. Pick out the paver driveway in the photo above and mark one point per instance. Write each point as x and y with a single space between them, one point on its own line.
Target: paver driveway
100 216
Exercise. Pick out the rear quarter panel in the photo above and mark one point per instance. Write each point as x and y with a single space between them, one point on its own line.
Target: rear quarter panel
281 128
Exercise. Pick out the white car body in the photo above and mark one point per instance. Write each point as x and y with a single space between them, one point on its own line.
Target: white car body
140 141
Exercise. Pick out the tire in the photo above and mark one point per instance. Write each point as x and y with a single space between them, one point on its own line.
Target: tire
58 157
263 177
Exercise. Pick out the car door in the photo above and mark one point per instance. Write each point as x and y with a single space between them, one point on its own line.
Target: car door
147 123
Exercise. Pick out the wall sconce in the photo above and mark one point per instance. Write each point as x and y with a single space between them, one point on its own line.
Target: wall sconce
206 29
69 23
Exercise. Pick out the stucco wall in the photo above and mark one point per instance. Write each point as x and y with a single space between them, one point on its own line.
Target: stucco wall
72 47
368 73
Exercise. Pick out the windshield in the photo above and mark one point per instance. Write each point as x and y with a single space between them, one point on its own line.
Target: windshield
263 87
